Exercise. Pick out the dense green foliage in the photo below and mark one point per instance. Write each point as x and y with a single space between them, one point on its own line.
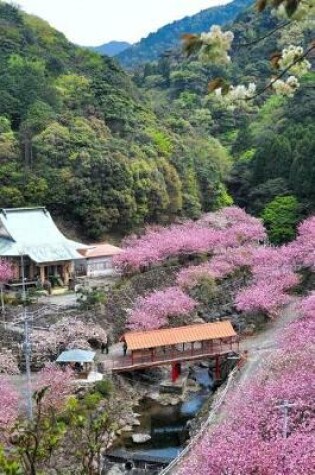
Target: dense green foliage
77 136
281 216
282 159
271 140
168 37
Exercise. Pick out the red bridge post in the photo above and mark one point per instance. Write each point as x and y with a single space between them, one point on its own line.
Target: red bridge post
176 370
217 368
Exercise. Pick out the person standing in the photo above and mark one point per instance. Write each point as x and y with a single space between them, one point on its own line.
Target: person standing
125 347
105 348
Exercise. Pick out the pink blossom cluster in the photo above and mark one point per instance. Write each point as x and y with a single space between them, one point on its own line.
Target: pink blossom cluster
59 387
153 310
272 276
301 332
231 239
264 297
301 252
8 404
68 332
224 262
59 384
190 277
273 269
230 216
307 307
253 439
8 362
6 272
191 237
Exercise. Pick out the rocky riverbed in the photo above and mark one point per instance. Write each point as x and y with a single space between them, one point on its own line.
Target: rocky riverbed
159 425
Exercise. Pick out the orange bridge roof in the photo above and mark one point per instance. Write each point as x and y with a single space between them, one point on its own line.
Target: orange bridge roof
172 336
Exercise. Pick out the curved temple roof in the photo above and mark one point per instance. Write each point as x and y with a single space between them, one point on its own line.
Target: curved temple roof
32 232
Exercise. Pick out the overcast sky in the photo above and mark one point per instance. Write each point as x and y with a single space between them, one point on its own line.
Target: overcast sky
93 22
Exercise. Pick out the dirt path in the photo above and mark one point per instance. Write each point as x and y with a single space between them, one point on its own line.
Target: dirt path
265 342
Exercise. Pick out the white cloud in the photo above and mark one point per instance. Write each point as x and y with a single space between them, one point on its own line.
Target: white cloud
93 22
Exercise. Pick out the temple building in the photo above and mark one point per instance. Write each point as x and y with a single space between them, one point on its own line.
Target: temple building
97 260
30 238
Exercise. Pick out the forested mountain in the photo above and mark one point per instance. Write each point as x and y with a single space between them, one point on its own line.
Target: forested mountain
168 37
112 48
111 154
77 136
271 140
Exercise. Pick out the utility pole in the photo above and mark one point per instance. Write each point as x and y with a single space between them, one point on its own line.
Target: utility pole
285 406
2 305
27 347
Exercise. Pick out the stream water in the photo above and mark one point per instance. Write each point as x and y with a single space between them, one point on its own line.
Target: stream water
168 425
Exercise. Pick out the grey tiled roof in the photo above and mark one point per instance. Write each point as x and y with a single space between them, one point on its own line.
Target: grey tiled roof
32 232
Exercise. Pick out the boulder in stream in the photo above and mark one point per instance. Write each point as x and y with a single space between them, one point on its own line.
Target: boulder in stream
140 438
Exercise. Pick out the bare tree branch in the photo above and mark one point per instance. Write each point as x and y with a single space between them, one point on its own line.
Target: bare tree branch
280 75
261 38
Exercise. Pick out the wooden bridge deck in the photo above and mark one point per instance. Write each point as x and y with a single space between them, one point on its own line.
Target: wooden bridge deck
168 356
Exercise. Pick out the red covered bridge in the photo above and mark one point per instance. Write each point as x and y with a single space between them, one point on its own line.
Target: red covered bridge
171 346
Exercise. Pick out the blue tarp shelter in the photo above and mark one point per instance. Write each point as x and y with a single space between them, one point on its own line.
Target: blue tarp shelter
76 356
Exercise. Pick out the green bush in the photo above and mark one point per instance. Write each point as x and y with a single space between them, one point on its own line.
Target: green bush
205 290
104 387
281 216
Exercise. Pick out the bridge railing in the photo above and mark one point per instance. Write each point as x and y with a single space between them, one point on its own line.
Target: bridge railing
173 354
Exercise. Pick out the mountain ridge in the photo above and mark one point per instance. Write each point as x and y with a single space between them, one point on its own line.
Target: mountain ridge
168 36
111 48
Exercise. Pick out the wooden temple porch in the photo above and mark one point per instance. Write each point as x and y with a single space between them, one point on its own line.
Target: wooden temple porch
35 273
171 346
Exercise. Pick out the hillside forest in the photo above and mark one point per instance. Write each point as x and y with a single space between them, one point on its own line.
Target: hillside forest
79 137
270 140
214 195
110 151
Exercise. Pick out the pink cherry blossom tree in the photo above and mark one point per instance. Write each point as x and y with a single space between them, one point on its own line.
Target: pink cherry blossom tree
232 241
275 271
301 252
300 335
154 310
6 274
253 439
58 383
59 387
224 262
8 405
227 228
68 333
31 442
8 362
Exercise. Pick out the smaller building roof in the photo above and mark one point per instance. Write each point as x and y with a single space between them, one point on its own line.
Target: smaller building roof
100 250
76 356
141 340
